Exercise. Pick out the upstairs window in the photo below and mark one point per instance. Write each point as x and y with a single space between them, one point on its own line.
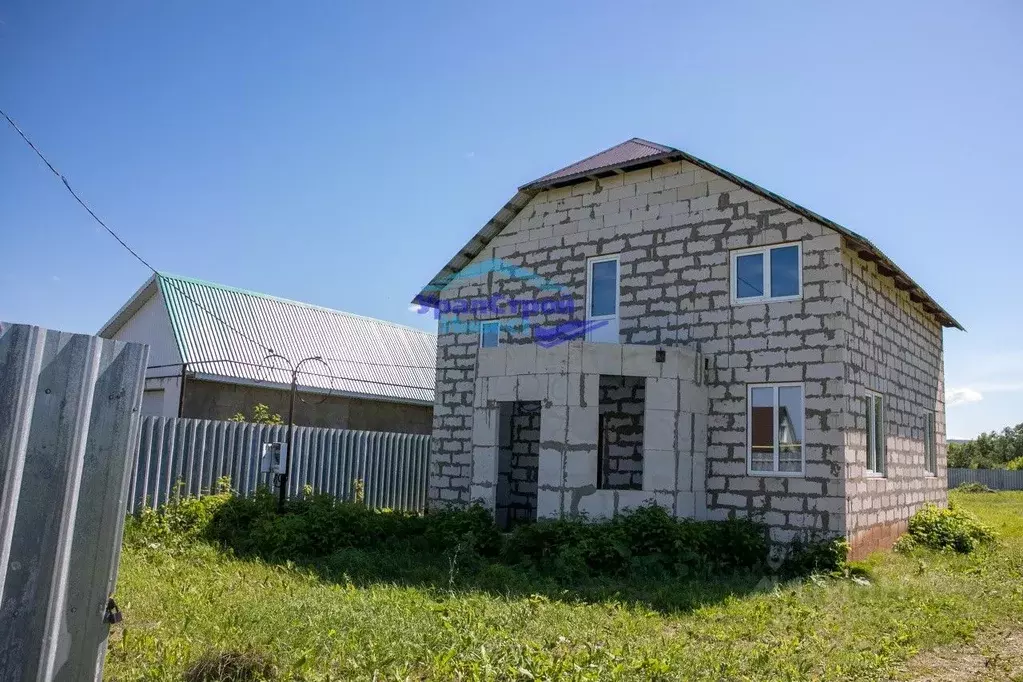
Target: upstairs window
602 288
876 449
490 334
930 445
768 273
775 429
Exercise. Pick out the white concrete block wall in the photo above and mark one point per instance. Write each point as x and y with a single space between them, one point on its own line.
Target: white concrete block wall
896 350
673 228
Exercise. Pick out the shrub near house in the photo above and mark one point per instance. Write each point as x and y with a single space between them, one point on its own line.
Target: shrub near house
646 542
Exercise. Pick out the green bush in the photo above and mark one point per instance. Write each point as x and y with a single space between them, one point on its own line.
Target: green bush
973 487
181 521
826 555
646 542
946 528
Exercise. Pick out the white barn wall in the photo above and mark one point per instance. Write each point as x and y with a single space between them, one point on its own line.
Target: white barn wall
151 325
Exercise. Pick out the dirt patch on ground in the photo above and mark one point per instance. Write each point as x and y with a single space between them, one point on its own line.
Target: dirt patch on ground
993 655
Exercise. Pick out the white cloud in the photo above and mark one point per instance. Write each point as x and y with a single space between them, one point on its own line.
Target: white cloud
961 396
470 155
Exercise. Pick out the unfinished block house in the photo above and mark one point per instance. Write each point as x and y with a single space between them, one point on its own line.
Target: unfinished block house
643 327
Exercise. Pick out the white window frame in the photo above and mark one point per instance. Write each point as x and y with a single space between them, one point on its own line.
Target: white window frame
766 251
496 323
615 320
774 426
930 444
873 457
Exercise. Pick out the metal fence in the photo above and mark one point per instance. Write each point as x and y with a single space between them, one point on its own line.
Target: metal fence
69 427
998 479
190 455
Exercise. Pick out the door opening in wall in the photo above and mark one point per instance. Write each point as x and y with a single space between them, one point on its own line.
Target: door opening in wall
620 432
518 462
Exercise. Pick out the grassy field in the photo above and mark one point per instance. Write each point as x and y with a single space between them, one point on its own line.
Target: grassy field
373 616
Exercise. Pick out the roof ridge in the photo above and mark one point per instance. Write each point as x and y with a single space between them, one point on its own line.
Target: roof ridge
593 156
654 148
259 294
653 145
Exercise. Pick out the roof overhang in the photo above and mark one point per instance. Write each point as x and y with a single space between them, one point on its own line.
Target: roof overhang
431 292
861 245
308 390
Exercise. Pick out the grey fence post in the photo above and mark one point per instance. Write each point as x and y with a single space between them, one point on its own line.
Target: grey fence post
69 428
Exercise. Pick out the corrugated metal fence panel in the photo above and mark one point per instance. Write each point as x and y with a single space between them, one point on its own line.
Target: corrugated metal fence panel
68 432
998 479
190 455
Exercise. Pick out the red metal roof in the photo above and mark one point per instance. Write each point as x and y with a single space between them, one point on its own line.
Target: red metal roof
629 152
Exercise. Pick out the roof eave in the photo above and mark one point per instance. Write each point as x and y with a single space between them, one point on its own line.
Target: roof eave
430 294
242 381
902 280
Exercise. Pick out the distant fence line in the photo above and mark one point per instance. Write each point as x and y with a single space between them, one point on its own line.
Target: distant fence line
998 479
195 453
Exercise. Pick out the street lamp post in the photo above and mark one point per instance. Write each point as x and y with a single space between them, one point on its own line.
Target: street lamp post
295 369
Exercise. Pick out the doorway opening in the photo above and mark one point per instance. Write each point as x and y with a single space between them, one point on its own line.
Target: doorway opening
620 433
518 463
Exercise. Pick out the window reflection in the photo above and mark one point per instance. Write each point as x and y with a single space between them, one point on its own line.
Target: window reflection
749 274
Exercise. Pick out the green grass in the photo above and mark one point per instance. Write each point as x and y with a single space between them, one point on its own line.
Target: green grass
368 615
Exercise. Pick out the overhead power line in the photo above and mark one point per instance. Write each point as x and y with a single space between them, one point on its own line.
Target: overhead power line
285 369
380 364
123 243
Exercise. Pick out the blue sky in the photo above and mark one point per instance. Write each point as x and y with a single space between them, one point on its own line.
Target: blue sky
339 154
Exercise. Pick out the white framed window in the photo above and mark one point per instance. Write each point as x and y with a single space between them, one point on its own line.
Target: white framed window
930 445
602 298
774 429
490 334
876 433
767 273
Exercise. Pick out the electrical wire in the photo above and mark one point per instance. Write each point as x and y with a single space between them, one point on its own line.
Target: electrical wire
381 364
120 241
285 369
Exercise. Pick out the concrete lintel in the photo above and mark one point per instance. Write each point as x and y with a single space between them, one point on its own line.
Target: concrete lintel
485 423
659 429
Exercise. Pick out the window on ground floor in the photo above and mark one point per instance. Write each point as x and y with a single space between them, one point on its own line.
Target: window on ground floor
876 450
775 418
930 445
